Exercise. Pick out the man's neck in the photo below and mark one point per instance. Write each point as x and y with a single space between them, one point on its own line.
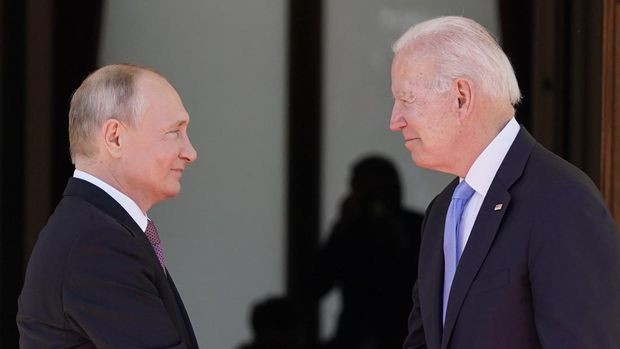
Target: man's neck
479 136
106 173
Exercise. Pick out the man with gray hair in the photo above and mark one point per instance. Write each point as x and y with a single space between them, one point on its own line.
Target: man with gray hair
97 277
518 251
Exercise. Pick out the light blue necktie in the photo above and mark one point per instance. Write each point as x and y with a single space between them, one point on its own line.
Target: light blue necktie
451 241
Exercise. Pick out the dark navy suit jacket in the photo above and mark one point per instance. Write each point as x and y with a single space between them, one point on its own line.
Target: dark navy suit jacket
541 272
93 281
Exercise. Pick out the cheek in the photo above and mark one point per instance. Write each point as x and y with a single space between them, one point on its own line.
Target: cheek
413 119
164 157
433 129
437 131
444 134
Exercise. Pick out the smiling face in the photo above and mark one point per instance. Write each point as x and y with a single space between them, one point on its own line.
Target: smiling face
427 119
157 148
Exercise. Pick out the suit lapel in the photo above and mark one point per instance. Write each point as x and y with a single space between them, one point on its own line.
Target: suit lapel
169 294
476 250
431 274
486 227
100 199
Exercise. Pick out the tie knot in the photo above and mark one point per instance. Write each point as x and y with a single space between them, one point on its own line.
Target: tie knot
151 233
463 191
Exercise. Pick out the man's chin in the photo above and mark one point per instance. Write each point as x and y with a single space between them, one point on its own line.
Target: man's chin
415 159
173 191
420 162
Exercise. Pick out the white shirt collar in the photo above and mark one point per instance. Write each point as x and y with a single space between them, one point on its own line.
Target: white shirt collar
125 201
483 170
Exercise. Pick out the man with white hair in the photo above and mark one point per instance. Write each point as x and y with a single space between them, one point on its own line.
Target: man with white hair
518 251
97 277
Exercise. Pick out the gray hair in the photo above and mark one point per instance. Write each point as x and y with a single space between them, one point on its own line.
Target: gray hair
108 93
460 47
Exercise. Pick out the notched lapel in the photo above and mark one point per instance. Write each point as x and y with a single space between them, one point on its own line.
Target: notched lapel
104 202
431 290
486 226
482 236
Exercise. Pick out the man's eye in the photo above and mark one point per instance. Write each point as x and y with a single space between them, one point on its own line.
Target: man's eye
174 132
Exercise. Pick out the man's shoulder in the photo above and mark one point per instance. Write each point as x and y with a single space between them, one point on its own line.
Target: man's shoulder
75 225
77 221
553 192
554 175
78 212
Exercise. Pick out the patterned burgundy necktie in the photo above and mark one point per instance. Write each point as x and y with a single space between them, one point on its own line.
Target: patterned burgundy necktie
153 236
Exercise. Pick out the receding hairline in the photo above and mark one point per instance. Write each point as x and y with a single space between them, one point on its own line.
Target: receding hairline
415 57
442 26
462 47
134 69
417 52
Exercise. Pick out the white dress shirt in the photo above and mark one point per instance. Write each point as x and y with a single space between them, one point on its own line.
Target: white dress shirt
128 204
482 173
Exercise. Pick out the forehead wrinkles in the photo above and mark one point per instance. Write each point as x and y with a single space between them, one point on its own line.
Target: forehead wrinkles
412 84
413 69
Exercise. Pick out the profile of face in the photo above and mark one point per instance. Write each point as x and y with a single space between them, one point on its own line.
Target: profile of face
157 148
427 119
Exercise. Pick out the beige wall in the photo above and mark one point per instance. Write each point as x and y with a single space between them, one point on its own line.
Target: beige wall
223 236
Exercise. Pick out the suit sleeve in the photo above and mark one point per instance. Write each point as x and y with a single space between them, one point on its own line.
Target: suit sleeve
110 294
574 263
415 338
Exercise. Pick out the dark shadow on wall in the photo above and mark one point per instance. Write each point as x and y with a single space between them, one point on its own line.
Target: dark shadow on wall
275 324
371 257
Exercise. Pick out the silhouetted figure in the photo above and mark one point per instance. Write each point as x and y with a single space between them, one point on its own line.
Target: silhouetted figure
275 325
372 256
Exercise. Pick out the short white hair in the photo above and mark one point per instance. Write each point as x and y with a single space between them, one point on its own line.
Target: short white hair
460 47
108 93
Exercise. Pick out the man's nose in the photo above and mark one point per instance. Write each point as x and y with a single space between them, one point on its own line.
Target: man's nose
397 122
188 152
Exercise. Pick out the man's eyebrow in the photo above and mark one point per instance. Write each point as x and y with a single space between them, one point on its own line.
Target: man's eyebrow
405 95
179 123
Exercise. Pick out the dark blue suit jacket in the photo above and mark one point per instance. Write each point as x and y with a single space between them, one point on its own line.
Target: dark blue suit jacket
541 272
93 281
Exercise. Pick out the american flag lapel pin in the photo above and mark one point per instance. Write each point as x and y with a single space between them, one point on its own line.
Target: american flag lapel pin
498 207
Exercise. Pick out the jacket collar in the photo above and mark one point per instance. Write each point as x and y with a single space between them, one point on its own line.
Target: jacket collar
485 227
104 202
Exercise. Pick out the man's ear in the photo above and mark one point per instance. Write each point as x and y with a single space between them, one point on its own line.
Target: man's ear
465 97
113 133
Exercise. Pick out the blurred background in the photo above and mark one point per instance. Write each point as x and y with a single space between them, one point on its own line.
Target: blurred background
285 96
